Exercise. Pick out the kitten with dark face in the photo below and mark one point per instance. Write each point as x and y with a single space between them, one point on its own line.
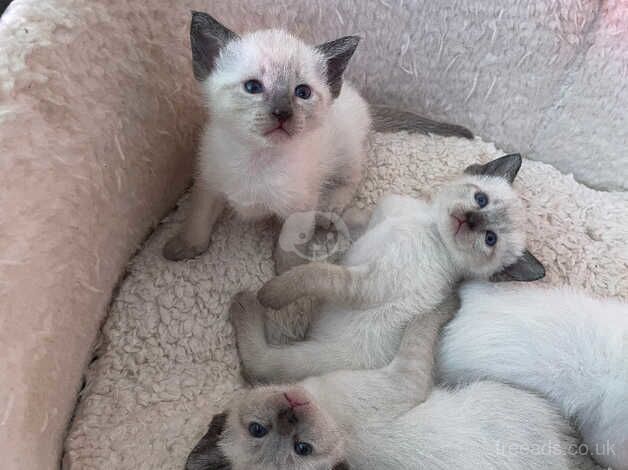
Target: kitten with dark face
388 418
412 256
286 134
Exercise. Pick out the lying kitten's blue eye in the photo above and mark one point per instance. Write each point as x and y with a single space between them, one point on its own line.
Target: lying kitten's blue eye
302 448
257 430
253 86
481 199
303 92
490 238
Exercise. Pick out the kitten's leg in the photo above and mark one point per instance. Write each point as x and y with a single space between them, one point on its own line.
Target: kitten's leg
414 363
193 239
342 285
292 245
265 363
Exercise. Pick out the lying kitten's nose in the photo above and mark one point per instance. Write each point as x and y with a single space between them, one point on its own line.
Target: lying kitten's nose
282 114
474 219
286 421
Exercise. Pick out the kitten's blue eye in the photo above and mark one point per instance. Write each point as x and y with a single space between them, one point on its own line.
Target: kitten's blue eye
302 448
481 199
257 430
253 86
303 92
490 238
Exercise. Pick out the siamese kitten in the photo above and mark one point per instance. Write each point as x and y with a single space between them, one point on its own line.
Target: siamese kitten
412 256
571 348
388 418
285 134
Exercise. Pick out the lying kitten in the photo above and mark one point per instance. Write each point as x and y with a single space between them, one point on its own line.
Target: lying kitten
285 134
412 256
388 418
564 345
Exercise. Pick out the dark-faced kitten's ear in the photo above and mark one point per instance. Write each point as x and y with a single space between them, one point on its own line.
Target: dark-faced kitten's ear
505 167
341 466
206 454
207 37
526 268
337 53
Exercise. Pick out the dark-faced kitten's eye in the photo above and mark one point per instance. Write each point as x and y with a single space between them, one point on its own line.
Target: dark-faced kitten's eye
481 198
302 448
257 430
253 86
490 238
303 92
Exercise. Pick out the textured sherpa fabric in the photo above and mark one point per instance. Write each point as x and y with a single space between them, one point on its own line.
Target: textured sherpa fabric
168 360
99 114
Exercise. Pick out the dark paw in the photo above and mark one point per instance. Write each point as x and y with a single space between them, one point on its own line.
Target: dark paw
177 249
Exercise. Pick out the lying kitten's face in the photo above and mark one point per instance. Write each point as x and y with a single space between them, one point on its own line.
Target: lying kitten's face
280 427
482 221
267 86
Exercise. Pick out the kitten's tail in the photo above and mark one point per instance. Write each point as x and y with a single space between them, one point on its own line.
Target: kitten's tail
388 119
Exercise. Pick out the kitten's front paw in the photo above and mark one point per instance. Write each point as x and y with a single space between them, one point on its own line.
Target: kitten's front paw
275 293
286 260
243 306
177 248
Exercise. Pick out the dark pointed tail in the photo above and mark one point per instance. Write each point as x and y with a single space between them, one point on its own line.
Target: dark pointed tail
388 119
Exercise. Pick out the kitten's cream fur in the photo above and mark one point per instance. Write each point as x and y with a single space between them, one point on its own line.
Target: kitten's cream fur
412 256
391 418
313 161
569 347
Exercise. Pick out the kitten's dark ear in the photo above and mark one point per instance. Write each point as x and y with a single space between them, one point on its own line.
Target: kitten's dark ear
341 466
526 268
207 37
206 454
505 167
337 53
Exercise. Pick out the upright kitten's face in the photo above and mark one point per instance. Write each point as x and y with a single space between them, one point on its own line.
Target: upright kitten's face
268 86
280 427
481 220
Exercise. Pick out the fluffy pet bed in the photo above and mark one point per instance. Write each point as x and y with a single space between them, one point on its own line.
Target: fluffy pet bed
99 114
168 361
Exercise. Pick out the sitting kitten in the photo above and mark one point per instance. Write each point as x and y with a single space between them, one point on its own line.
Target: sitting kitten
571 348
388 418
285 134
412 257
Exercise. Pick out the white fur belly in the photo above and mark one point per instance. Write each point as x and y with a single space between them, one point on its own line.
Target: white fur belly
370 338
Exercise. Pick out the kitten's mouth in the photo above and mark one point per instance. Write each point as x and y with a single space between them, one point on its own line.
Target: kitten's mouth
460 223
277 130
295 403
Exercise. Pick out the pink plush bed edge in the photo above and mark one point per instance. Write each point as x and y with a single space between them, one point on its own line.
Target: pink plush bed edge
96 144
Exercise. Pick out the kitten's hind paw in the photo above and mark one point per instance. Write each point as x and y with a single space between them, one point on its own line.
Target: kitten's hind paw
244 306
177 248
276 293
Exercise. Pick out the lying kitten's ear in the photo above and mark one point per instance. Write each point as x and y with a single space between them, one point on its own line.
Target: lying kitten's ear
206 454
337 53
207 37
505 167
341 466
526 268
